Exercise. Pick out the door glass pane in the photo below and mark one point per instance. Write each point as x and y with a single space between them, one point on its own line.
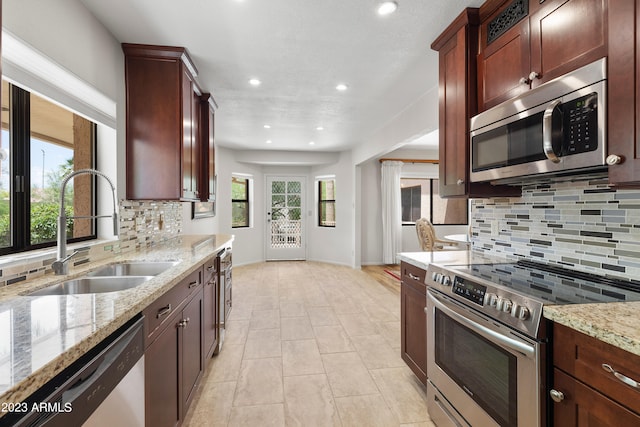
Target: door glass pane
286 214
61 142
5 181
277 187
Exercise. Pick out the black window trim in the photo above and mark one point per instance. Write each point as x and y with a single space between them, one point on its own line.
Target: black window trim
322 201
20 176
431 187
245 201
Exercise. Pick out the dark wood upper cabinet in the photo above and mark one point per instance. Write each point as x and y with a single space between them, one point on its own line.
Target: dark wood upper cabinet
162 115
519 52
457 48
623 84
208 108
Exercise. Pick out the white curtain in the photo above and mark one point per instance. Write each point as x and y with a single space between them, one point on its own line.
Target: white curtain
391 211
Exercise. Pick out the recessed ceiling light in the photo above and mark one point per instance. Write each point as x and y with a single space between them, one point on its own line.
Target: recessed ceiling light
269 141
254 82
267 126
342 87
319 128
387 7
312 143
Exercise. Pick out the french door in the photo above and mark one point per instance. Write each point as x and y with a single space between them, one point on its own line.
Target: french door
286 239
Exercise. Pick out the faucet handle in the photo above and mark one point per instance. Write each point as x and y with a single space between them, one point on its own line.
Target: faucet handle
61 266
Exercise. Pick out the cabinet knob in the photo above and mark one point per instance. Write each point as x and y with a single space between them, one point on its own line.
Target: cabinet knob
460 181
556 396
524 81
533 75
613 159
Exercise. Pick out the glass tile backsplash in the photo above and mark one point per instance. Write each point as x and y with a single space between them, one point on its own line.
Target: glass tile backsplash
587 226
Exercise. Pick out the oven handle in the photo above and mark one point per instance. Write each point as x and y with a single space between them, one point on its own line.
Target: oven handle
498 338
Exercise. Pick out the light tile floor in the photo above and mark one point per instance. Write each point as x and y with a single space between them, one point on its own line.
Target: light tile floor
310 344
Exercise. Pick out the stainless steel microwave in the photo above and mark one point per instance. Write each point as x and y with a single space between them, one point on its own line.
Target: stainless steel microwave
558 128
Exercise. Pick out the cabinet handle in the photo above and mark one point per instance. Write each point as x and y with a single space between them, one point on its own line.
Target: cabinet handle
524 81
460 181
413 276
556 396
193 284
623 378
164 311
533 75
613 159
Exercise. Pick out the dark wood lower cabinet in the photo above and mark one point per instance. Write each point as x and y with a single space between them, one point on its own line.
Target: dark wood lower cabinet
413 324
211 307
162 404
583 406
174 360
191 357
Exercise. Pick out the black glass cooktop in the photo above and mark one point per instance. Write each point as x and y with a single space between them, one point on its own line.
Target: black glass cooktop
554 284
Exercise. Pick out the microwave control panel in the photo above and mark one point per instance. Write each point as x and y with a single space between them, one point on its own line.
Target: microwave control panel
580 124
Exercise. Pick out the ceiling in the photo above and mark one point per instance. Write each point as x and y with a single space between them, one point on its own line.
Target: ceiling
300 50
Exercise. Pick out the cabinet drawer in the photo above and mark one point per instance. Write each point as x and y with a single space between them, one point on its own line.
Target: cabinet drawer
163 308
583 357
413 276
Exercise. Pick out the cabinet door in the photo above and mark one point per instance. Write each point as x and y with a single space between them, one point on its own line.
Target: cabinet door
189 131
210 307
623 113
454 129
503 65
566 35
413 329
162 406
191 350
208 151
582 406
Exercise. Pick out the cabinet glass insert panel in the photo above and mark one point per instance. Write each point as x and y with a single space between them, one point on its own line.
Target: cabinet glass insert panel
485 371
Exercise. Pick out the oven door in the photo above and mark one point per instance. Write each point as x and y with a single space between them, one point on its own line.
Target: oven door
481 373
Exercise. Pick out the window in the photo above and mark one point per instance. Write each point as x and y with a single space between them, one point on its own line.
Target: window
327 203
420 198
41 144
239 202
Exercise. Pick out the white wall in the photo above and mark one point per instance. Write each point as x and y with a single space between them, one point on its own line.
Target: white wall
334 244
248 245
371 205
68 34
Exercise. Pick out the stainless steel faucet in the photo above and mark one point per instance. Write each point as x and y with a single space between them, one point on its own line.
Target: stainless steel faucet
61 265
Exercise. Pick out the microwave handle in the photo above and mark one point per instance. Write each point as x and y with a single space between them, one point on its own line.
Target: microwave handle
547 132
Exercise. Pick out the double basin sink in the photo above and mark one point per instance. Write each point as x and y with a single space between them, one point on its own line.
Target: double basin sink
110 278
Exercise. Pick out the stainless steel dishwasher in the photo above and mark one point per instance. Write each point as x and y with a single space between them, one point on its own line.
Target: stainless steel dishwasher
105 387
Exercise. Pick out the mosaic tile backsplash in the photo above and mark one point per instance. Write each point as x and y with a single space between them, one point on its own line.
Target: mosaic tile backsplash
142 224
586 226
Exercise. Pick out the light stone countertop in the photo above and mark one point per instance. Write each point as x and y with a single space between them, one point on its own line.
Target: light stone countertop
462 257
616 323
70 325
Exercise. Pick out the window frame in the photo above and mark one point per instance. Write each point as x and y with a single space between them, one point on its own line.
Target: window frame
432 185
19 127
245 201
322 202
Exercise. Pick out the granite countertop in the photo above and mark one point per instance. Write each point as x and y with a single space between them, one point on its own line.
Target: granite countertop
616 323
42 335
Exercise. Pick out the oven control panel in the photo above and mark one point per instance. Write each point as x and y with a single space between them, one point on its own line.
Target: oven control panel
494 300
469 290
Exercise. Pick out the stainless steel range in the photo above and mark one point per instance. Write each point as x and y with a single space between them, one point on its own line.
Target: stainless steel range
488 344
